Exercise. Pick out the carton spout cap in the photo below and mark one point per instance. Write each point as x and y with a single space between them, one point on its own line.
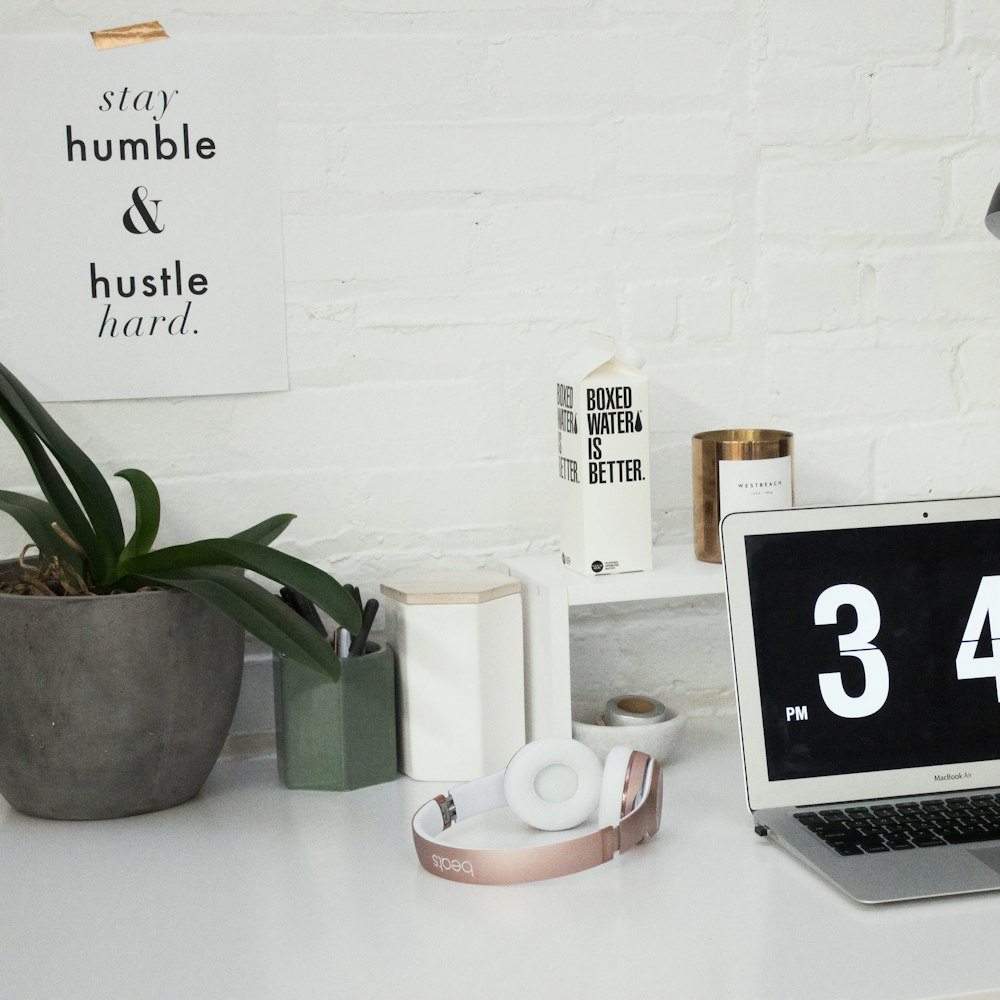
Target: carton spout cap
628 354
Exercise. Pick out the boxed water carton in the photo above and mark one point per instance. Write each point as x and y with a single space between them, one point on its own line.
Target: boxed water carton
603 420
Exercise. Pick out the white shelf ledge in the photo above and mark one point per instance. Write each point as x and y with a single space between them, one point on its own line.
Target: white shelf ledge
549 590
675 573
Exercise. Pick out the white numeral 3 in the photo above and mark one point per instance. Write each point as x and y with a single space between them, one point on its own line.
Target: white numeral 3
858 644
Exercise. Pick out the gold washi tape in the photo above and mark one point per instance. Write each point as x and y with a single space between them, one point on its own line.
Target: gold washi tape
130 34
634 710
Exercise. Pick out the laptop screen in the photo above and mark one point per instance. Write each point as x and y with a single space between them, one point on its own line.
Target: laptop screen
866 648
875 646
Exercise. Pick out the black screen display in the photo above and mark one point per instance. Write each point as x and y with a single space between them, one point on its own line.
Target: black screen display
875 646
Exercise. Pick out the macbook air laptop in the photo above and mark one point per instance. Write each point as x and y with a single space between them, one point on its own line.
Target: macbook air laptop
866 649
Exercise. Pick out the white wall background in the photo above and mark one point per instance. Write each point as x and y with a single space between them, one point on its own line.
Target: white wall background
778 202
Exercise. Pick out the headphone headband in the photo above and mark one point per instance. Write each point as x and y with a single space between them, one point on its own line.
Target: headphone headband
641 804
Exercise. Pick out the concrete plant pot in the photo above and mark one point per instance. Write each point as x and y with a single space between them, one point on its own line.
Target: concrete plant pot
113 705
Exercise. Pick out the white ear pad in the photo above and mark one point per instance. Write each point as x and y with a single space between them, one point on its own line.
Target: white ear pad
613 786
554 783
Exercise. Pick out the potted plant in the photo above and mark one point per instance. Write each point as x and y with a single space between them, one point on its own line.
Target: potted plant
120 663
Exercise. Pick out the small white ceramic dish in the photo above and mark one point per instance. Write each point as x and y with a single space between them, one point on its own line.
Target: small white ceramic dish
657 739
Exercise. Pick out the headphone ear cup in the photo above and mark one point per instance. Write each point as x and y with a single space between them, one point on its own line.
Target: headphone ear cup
613 786
554 783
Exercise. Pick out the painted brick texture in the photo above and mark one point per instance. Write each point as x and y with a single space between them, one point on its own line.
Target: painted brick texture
777 202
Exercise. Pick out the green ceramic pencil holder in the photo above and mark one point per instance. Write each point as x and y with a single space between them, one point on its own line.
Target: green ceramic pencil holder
336 735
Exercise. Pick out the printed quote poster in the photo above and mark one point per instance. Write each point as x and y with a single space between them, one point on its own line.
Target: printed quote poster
141 218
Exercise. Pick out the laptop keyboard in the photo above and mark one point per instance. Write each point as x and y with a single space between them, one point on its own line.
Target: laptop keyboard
904 826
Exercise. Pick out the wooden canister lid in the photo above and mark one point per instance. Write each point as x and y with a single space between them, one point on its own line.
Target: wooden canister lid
463 587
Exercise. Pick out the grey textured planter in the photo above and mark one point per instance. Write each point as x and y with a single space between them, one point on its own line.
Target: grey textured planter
111 706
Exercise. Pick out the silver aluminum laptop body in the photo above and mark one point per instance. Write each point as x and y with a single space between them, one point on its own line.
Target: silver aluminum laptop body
866 651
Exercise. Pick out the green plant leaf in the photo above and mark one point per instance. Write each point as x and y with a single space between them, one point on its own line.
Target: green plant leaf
36 517
31 424
147 512
260 612
311 582
267 531
69 513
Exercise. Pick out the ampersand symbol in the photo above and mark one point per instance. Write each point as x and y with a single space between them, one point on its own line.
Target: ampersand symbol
139 198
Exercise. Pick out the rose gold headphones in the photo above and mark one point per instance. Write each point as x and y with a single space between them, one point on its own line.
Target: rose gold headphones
551 784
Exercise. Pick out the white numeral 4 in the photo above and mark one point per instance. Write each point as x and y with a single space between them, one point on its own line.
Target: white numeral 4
985 610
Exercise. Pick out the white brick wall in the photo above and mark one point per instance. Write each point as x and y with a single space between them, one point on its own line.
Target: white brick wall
778 202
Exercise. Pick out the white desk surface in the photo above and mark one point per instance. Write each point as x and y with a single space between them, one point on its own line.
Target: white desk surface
253 891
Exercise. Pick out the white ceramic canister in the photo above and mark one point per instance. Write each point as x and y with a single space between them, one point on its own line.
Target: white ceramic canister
459 644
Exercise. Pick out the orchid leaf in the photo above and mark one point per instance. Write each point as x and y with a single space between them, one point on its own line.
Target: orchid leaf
31 424
147 512
36 518
260 612
267 531
312 583
51 482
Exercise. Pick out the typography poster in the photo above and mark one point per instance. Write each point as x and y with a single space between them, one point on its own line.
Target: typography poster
140 209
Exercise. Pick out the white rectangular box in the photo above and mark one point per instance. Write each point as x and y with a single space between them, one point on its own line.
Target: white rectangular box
603 419
460 692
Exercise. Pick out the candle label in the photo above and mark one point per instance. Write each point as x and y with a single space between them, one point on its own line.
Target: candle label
755 484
